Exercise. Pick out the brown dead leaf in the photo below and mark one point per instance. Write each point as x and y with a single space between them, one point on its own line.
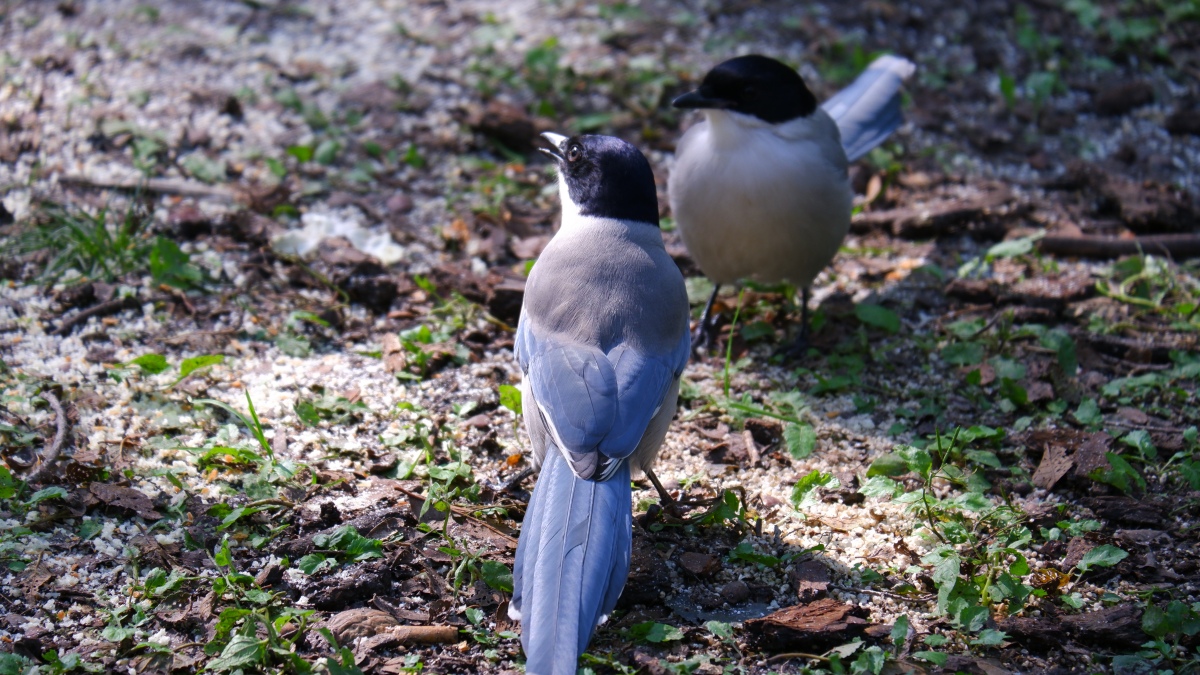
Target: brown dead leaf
1054 465
393 354
352 624
124 498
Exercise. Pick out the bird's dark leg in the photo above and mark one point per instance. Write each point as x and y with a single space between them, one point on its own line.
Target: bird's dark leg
514 484
799 347
662 491
703 337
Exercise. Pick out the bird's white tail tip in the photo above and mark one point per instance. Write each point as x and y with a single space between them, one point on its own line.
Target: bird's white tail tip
902 67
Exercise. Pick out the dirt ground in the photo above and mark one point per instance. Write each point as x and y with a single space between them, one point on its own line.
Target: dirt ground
260 267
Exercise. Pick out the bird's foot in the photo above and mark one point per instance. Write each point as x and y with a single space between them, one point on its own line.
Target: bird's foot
704 336
796 350
677 509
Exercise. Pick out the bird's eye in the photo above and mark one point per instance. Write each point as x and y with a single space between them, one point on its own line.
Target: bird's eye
574 152
749 92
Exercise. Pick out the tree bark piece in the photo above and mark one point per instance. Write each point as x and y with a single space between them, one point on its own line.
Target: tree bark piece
812 627
55 446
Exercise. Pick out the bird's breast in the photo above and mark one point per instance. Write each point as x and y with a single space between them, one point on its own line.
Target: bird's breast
751 204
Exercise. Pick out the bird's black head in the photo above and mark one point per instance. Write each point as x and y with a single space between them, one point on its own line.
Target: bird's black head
753 85
605 177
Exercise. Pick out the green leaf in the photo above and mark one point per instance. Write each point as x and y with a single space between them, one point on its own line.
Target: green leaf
990 638
870 661
47 493
801 439
474 615
900 630
151 363
510 397
880 486
307 412
1140 439
649 631
223 558
302 153
935 639
327 151
1088 413
242 651
1101 556
497 576
90 528
804 493
1122 475
936 658
195 363
169 265
1013 247
745 552
719 629
314 562
877 316
962 353
890 464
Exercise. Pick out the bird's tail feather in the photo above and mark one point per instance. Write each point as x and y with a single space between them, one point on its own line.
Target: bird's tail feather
868 111
572 562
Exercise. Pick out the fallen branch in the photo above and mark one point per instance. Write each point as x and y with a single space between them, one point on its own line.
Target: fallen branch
1175 246
168 186
60 434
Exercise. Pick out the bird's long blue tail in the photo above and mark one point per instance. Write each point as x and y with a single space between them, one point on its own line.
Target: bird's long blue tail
868 111
572 562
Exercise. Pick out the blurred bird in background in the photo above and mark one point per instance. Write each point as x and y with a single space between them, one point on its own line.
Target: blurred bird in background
760 188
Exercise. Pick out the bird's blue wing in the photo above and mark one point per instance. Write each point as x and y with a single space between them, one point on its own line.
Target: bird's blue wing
643 380
868 111
597 405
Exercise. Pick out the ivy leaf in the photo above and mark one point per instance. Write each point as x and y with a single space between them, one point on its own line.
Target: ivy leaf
1101 556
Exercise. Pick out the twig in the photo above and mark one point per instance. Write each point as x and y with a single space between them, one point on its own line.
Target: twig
184 337
465 513
895 596
796 655
102 309
1175 246
51 453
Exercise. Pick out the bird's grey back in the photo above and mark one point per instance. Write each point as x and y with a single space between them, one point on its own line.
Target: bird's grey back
604 282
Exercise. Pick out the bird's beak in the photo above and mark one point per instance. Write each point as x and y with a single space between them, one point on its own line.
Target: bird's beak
556 142
698 99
